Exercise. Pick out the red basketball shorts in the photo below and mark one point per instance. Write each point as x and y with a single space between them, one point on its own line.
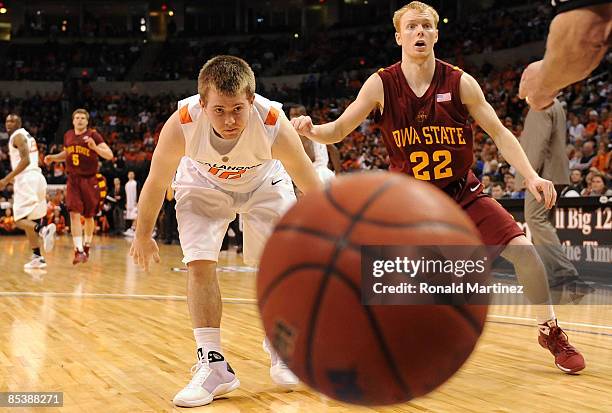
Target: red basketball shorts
83 194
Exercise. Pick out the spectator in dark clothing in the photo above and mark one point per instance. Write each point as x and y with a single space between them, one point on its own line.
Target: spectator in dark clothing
116 201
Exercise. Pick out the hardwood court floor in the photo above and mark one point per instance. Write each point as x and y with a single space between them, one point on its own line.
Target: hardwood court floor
116 339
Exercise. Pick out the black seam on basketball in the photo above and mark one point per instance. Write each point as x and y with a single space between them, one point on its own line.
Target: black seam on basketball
285 274
337 205
340 245
378 335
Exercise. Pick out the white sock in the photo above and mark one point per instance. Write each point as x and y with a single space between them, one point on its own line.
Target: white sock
78 243
207 339
88 239
544 313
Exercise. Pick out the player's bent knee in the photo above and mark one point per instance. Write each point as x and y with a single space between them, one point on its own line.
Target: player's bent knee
22 223
202 267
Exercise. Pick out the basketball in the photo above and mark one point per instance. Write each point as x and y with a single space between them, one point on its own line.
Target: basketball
309 295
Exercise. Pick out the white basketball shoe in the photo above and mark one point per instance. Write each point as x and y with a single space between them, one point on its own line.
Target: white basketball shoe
279 372
37 263
212 376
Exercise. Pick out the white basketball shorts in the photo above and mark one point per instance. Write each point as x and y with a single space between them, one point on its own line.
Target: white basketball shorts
30 197
204 211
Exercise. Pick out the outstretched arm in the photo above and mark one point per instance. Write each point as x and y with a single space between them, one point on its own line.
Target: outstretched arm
166 158
288 149
577 41
370 96
473 98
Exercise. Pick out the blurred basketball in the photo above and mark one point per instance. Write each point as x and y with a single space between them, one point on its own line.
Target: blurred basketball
309 291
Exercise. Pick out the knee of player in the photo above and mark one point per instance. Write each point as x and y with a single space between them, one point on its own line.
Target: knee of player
22 223
202 268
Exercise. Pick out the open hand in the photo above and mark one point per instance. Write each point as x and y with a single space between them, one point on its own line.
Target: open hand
142 250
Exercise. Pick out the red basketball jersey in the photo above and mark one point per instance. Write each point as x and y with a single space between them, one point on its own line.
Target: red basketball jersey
427 137
81 160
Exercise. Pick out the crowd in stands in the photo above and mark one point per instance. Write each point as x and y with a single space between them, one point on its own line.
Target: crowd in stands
53 61
92 26
344 50
327 52
182 59
334 52
41 113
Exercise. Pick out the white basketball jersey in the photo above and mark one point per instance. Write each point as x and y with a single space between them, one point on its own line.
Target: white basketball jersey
249 162
14 152
320 154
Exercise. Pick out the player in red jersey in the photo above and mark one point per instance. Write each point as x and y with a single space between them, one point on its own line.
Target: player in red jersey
424 105
82 146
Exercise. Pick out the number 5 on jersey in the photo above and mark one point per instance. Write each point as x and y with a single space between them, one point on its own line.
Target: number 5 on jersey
75 159
440 161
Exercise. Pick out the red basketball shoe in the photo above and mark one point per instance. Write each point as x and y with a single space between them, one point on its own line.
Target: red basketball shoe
567 358
86 250
79 257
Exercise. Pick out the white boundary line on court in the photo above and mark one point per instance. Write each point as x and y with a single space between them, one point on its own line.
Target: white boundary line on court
225 300
124 296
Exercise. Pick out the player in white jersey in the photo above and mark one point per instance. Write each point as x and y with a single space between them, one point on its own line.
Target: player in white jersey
318 153
30 187
231 148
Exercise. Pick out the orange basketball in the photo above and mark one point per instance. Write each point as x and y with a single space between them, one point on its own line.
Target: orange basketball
309 295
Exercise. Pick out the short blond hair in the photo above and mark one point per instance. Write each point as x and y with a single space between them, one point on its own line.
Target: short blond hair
81 111
414 5
230 75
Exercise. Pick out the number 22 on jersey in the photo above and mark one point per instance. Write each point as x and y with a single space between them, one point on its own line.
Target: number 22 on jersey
439 160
